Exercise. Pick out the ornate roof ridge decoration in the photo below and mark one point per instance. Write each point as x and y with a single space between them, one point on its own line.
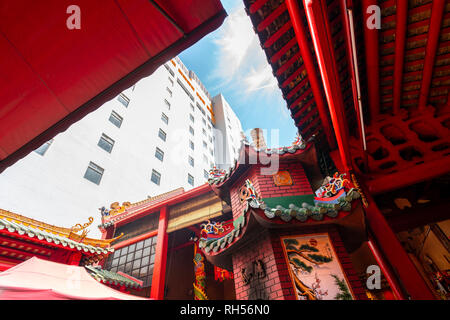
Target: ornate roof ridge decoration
298 144
216 173
316 212
109 277
329 204
39 234
250 197
20 222
116 211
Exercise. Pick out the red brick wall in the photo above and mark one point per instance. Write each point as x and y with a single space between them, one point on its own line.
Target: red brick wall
265 186
267 288
282 268
300 184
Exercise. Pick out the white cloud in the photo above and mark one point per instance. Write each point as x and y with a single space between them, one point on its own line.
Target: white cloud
241 62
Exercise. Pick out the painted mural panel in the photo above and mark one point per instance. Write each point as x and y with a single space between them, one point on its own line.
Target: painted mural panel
314 269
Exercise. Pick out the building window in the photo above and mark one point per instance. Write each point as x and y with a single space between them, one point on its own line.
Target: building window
156 177
205 158
211 151
169 91
136 260
159 154
123 99
170 80
209 127
43 149
94 173
206 174
209 118
169 69
204 121
191 161
210 139
167 103
164 118
191 117
191 144
115 119
191 130
190 180
106 143
185 89
204 131
205 145
162 135
192 107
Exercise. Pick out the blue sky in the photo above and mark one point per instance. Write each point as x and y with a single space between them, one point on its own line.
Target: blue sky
231 61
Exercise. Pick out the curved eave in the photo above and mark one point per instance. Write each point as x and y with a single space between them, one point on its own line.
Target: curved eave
217 251
249 155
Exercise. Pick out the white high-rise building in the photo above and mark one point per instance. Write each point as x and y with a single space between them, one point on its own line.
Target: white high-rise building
157 136
229 133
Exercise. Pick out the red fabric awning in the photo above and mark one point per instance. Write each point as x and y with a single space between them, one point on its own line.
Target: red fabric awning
51 76
37 279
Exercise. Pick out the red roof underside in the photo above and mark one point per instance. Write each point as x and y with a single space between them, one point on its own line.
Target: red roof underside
404 73
51 76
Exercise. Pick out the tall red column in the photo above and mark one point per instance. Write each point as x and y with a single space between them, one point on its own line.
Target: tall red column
320 34
394 252
386 270
159 271
302 40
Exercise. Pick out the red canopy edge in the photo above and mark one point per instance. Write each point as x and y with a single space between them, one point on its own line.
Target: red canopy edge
144 70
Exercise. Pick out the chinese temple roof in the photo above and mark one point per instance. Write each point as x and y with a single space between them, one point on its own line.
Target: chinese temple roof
217 177
113 278
34 230
118 212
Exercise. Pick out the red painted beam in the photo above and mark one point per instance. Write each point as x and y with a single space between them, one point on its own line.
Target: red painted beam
159 271
384 266
400 40
168 202
271 17
277 55
408 275
371 43
295 90
20 254
293 76
303 43
274 37
257 5
347 19
303 108
287 64
320 32
416 174
437 13
24 245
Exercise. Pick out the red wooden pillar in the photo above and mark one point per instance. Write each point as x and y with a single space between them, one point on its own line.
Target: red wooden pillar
394 252
320 33
159 271
386 270
308 61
